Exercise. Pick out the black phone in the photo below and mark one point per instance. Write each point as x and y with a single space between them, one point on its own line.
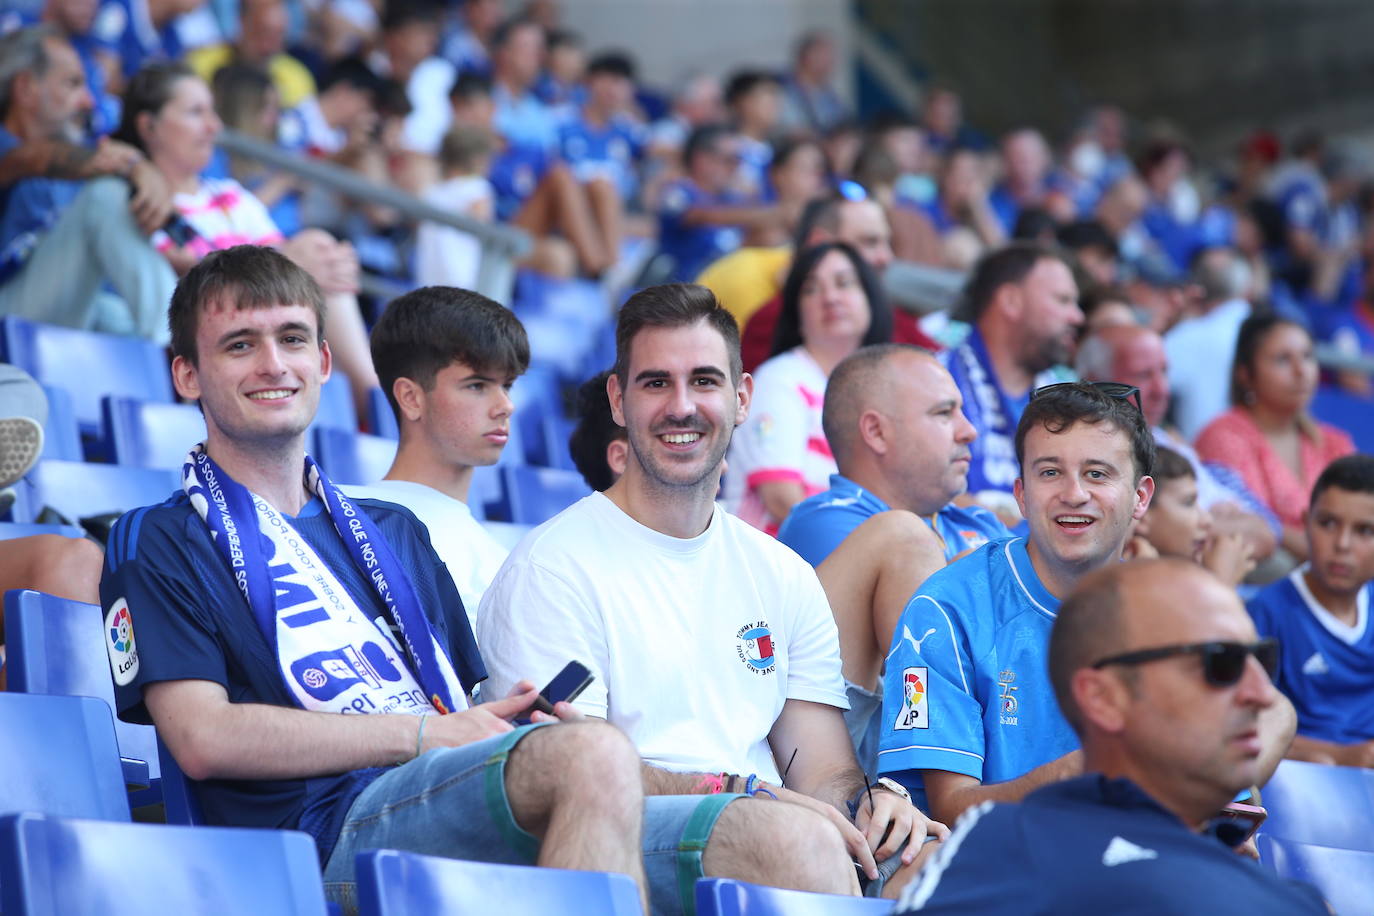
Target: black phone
566 685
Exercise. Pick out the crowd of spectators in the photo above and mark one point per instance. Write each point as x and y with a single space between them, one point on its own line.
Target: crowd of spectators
1189 298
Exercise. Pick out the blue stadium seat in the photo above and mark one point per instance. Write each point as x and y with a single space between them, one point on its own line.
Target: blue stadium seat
1320 804
535 495
148 434
538 397
487 494
353 457
59 756
10 530
336 409
1350 412
56 647
179 801
380 416
507 534
52 866
87 365
392 883
1345 877
61 434
78 490
728 897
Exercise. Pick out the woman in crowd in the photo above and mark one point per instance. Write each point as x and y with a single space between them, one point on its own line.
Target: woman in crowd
831 306
169 114
1268 436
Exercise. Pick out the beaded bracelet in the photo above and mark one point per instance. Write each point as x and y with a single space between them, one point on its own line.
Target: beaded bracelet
754 786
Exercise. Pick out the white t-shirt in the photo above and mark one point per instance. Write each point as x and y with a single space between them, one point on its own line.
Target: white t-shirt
445 256
696 643
472 556
782 439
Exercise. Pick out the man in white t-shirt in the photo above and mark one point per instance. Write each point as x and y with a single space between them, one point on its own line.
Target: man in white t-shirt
446 358
712 645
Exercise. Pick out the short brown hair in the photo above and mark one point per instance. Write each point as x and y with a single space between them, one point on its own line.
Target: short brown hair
674 305
246 277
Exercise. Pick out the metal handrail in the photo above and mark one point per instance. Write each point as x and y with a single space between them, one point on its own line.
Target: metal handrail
501 244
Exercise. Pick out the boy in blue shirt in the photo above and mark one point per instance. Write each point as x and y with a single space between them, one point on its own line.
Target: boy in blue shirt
603 143
1320 615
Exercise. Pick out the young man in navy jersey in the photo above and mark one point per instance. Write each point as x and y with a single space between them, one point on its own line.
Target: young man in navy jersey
1320 615
306 657
1158 669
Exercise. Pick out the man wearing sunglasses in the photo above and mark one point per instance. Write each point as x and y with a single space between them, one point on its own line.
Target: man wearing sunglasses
1160 672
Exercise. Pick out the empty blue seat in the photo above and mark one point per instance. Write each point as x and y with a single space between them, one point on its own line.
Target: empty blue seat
78 490
10 530
336 410
1320 804
535 495
58 755
1345 877
87 365
728 897
392 883
380 416
487 494
52 866
149 434
353 457
61 434
56 646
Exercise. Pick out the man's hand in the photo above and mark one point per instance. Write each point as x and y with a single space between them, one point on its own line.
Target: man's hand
111 157
1229 557
485 720
899 820
151 201
333 264
854 840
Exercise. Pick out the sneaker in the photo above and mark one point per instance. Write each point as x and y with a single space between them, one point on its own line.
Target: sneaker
21 442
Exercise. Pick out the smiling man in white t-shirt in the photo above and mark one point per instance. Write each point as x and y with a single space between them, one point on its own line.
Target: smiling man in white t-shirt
712 645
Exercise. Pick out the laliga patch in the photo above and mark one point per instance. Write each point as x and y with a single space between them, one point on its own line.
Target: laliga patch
915 711
119 642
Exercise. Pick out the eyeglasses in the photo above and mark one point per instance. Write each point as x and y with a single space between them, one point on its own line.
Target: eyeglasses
1119 390
1223 663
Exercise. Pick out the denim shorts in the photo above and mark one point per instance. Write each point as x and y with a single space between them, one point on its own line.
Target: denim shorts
451 802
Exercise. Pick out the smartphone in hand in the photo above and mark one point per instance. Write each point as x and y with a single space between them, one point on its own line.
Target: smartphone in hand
566 686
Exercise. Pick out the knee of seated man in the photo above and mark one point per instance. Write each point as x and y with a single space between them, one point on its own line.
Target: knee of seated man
594 753
105 195
778 842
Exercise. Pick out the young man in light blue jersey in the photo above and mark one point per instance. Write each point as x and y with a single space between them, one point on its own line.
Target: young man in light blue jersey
967 701
894 420
1320 615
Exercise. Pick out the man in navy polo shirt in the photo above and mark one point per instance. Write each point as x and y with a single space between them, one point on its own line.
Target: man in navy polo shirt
894 419
1158 669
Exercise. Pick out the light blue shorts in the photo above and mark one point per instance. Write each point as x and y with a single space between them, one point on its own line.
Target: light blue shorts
452 802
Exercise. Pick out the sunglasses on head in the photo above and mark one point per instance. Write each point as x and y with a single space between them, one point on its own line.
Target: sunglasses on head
1119 390
1223 663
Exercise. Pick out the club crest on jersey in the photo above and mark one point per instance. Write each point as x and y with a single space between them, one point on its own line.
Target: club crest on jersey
754 643
915 709
119 642
1008 697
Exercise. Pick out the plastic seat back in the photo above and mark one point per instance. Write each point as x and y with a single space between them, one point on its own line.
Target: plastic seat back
88 365
1320 804
336 409
57 647
1345 877
380 417
59 756
61 434
353 457
536 494
392 883
728 897
79 490
10 530
487 494
148 434
53 866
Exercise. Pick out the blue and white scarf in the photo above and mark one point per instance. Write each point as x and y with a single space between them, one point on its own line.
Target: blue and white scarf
300 605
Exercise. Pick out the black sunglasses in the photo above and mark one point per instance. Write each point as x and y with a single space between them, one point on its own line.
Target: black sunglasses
1119 390
1223 663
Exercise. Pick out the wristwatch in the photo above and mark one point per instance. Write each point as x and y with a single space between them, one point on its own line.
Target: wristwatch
893 786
